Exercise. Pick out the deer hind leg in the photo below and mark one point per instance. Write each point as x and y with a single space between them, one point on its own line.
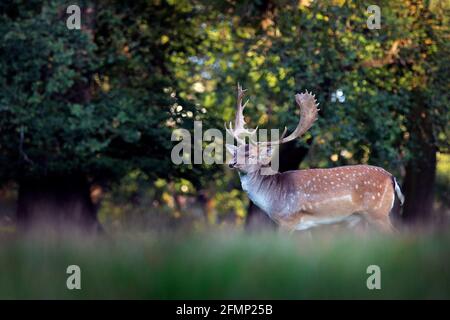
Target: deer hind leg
379 216
382 222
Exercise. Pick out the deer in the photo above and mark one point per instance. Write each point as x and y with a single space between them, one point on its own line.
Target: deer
308 198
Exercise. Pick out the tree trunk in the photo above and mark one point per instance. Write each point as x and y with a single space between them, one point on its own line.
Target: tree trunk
290 158
56 202
418 185
419 190
61 202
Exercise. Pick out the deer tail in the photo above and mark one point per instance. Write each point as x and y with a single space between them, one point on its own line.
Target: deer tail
398 191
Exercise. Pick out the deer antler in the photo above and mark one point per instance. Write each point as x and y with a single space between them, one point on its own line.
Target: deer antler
308 114
239 121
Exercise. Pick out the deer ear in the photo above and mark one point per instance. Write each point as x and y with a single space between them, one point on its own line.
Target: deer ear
231 148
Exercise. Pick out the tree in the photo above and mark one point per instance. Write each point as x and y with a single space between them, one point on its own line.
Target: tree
86 106
428 116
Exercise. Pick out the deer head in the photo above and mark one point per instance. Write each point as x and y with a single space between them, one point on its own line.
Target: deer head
250 157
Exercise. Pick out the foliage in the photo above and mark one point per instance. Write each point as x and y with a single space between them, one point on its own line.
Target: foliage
100 101
103 101
325 47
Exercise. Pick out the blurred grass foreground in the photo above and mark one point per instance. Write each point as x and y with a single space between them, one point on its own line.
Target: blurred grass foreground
237 265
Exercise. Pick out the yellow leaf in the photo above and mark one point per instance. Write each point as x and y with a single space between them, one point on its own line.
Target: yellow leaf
164 39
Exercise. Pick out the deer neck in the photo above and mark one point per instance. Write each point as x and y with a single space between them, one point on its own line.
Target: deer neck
266 191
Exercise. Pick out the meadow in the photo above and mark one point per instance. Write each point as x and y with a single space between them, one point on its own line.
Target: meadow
226 265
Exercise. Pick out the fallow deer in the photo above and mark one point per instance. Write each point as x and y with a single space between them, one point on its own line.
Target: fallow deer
301 199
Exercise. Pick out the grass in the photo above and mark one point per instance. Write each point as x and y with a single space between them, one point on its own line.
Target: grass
226 265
